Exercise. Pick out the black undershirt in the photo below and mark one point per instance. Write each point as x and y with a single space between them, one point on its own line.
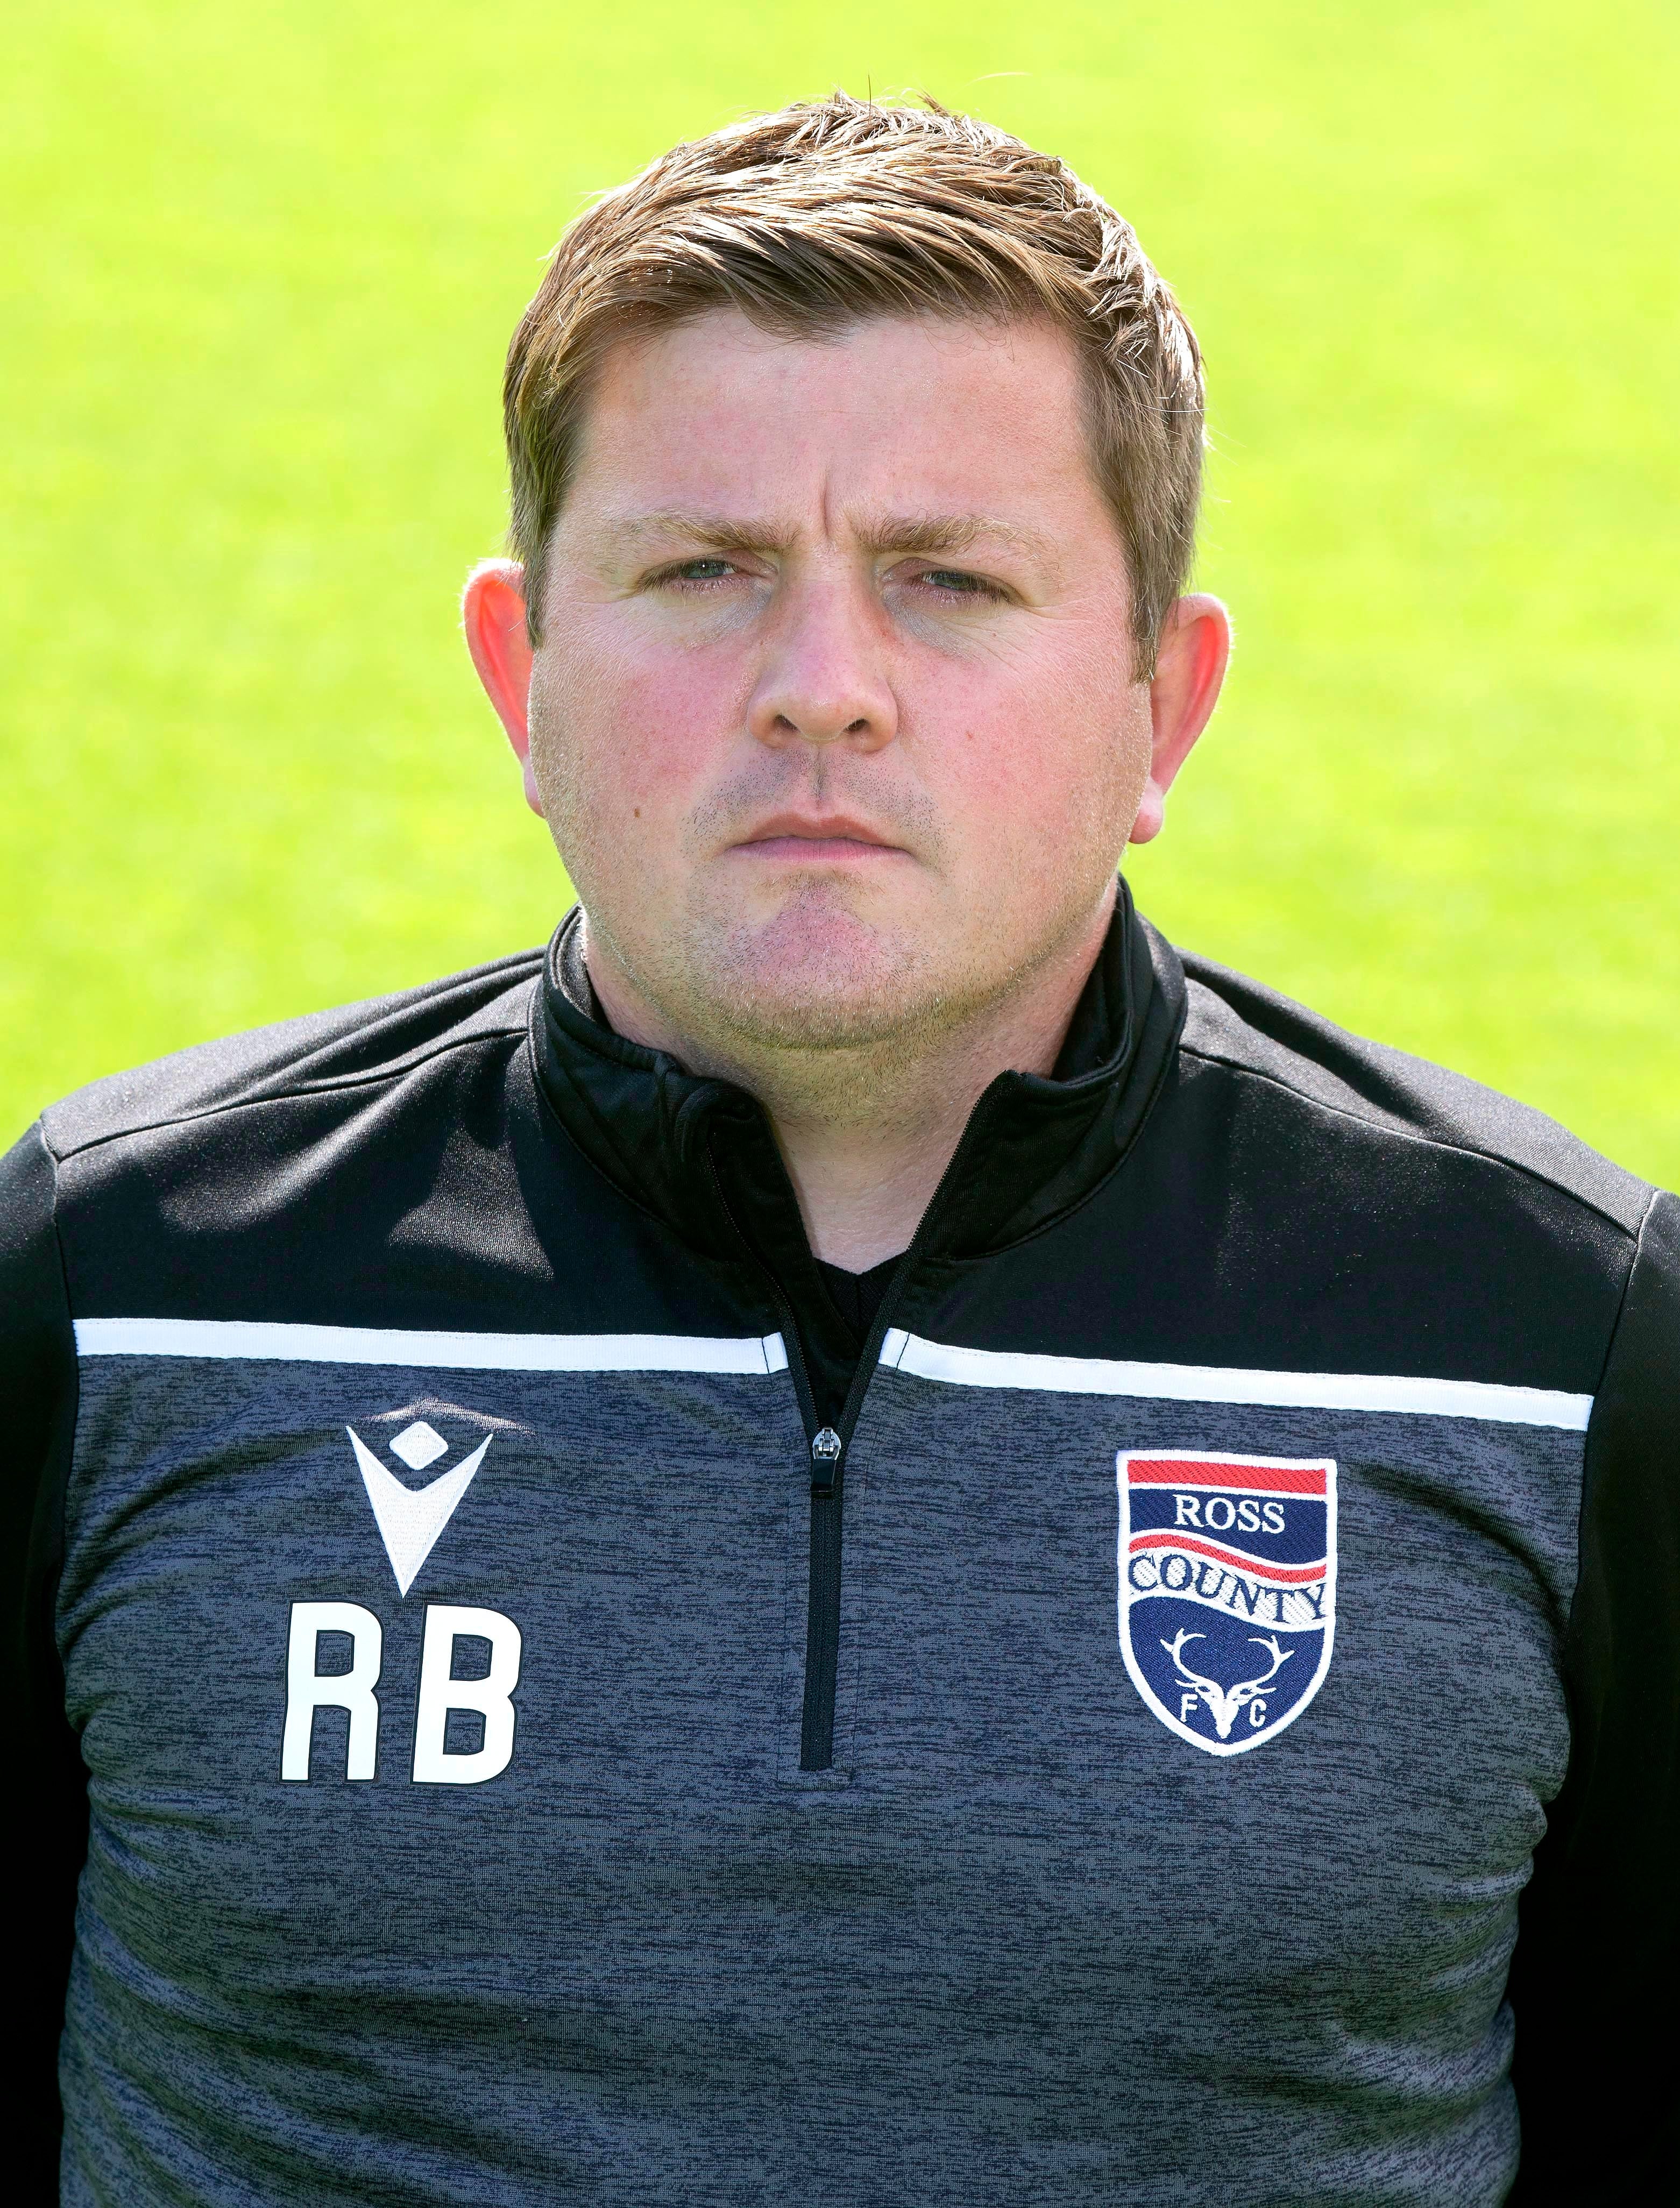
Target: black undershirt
857 1296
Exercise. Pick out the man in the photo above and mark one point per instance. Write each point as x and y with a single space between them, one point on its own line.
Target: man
859 1537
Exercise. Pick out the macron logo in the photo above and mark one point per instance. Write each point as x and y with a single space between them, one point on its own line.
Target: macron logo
411 1520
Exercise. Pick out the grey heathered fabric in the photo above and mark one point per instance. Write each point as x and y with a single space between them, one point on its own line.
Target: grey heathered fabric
1022 1945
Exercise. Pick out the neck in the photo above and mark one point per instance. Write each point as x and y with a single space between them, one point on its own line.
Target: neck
867 1133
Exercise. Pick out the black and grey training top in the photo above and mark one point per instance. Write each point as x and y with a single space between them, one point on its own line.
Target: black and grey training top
520 1710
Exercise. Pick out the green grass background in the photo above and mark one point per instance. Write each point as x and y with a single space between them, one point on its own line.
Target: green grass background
259 266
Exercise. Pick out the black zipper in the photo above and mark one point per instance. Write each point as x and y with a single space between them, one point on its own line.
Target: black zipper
828 1446
828 1489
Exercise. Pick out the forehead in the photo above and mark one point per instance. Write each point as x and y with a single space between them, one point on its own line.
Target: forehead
956 415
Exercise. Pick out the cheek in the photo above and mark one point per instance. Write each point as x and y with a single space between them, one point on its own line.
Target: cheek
629 741
1050 764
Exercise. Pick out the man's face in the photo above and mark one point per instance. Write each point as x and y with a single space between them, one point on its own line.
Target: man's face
834 718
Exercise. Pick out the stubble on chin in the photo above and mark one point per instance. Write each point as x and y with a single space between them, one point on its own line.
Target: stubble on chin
814 976
819 979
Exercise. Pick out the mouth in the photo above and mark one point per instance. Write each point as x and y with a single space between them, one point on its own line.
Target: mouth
831 840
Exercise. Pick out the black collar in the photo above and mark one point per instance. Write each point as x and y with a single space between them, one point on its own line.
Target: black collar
699 1155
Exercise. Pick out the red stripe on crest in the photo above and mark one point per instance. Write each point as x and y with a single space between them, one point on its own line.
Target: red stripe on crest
1255 1567
1196 1472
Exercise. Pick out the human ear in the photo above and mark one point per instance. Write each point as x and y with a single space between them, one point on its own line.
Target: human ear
1191 661
493 614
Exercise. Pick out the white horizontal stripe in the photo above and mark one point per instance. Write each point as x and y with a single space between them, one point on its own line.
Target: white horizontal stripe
1219 1383
465 1352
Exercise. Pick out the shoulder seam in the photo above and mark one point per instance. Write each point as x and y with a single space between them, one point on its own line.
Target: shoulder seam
1620 1312
323 1088
1412 1135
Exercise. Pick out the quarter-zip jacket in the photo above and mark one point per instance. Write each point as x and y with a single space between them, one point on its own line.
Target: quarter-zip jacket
513 1720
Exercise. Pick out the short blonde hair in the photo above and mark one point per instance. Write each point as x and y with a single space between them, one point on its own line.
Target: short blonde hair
834 210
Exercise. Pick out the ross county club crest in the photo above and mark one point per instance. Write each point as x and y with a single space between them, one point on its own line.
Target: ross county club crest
1227 1590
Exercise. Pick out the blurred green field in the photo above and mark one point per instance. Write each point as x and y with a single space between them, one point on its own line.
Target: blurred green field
260 266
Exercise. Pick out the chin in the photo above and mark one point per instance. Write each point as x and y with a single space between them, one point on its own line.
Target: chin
821 981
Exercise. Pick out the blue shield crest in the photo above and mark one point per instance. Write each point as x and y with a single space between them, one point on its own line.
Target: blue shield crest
1227 1590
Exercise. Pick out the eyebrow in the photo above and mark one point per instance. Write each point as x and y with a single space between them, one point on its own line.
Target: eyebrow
951 532
915 533
717 531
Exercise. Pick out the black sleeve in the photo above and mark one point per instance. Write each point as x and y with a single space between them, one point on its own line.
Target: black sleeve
47 1811
1595 1983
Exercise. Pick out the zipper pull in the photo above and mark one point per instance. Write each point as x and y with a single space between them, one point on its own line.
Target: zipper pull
825 1448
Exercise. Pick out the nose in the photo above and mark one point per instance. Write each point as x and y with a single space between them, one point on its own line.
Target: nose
824 678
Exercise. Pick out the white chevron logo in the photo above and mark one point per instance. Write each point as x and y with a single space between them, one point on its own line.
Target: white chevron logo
411 1520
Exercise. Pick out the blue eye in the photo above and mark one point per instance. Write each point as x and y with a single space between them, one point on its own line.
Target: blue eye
954 579
702 571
